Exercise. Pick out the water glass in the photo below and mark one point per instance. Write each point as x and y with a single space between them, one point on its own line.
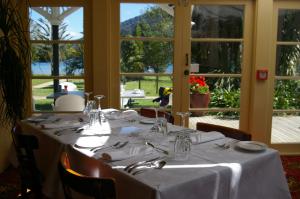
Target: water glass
94 117
182 146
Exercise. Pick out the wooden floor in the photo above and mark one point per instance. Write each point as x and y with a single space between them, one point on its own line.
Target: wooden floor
285 129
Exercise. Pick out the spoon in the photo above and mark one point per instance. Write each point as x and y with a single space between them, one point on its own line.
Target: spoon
157 165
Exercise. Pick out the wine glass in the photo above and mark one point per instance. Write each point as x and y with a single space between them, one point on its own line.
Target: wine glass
155 108
183 116
88 103
98 98
87 96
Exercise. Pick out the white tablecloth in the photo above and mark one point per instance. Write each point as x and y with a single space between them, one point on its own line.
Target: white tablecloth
210 171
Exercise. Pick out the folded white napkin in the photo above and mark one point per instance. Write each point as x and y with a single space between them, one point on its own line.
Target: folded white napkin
125 153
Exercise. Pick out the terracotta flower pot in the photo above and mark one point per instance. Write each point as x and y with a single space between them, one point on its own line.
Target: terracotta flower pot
198 100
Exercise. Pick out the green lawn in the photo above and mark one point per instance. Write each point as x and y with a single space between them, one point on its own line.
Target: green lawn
148 84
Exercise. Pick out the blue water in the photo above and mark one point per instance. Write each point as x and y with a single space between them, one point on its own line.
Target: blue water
44 68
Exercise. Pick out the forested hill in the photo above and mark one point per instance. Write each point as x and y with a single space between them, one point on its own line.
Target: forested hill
153 20
128 26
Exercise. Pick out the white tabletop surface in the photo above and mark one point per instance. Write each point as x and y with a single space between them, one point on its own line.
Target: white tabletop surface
210 171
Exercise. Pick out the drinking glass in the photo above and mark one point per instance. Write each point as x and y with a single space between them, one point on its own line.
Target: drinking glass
87 96
98 98
183 116
182 146
89 106
162 125
87 103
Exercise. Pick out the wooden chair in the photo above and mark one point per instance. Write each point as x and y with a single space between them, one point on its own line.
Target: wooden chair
228 132
148 112
31 178
99 188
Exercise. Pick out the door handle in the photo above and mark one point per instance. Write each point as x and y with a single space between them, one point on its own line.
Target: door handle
186 59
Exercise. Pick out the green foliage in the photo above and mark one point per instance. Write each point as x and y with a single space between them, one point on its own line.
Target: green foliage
74 58
71 54
14 58
225 98
136 55
287 94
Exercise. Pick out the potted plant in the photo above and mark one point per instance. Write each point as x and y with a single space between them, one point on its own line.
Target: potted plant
14 62
199 93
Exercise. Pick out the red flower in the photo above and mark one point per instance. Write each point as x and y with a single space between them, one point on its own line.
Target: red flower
198 84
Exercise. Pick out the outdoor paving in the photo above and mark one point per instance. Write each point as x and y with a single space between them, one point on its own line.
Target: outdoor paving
285 129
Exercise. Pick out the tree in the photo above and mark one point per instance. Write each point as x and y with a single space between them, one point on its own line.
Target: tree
136 55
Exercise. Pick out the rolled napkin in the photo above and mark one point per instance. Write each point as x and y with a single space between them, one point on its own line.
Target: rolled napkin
126 153
201 137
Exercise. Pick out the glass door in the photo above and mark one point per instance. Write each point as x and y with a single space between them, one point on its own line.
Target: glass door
286 101
218 66
146 46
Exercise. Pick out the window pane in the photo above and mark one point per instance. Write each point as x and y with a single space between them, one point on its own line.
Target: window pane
69 59
146 20
44 95
223 92
65 22
288 25
287 94
146 57
222 57
288 60
217 21
140 91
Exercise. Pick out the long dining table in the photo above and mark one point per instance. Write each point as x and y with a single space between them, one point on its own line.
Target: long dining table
210 171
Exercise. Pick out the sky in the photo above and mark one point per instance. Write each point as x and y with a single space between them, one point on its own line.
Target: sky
130 10
75 20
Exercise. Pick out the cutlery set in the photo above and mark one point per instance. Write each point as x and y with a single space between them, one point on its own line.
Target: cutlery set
227 145
146 165
63 130
116 145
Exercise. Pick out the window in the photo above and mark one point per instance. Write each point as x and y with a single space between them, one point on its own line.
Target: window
57 65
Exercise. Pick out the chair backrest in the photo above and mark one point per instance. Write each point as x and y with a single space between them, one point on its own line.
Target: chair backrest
69 103
227 131
148 112
31 177
100 188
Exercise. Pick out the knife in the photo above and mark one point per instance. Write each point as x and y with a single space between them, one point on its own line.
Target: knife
157 148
